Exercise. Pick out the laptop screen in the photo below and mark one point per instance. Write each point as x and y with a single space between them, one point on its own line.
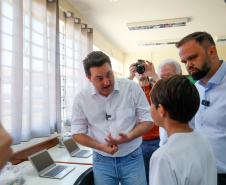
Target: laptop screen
42 160
71 145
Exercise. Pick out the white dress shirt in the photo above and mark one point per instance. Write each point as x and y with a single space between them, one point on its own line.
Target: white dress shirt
210 121
126 104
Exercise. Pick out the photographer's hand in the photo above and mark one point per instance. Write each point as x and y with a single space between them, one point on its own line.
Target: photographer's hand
132 71
150 70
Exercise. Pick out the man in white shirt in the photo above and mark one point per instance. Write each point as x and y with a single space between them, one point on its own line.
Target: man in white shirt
199 54
112 108
187 158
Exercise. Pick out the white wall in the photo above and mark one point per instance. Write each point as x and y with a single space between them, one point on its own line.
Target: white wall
99 39
222 53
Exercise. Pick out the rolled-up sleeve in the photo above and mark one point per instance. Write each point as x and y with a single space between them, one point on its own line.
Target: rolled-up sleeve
78 119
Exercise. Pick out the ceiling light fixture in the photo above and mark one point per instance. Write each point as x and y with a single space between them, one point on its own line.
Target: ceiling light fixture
157 42
157 24
221 38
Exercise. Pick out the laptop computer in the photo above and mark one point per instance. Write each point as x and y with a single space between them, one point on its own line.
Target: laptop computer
74 150
46 167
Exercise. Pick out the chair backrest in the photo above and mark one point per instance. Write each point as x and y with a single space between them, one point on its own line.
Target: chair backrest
86 178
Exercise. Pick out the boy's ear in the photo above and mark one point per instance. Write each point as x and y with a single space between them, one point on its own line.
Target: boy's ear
89 78
162 111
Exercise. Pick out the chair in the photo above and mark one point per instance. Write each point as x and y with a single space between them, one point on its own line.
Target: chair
86 178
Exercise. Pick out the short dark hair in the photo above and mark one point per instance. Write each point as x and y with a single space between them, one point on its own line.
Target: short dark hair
203 38
95 59
178 96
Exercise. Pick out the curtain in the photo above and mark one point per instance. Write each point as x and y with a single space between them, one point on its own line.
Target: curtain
79 42
29 68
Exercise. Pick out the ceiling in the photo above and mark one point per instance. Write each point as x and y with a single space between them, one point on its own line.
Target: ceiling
111 16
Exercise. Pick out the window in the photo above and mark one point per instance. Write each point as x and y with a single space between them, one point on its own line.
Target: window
62 68
28 68
75 43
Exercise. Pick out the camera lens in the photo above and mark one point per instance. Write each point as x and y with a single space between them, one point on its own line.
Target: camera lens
140 69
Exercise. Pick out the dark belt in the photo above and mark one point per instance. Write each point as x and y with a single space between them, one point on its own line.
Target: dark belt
155 138
221 178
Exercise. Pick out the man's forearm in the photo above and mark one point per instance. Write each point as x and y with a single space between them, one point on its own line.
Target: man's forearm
85 140
140 130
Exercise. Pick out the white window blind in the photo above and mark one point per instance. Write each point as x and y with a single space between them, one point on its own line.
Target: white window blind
28 68
76 41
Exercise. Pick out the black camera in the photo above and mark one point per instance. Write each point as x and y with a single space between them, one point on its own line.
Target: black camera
140 67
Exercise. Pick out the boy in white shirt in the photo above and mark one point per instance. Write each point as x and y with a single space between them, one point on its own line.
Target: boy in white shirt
187 158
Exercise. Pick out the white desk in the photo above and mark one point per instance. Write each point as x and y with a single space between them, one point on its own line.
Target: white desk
32 177
61 155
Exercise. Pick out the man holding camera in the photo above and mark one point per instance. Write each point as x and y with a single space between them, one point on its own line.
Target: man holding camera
151 139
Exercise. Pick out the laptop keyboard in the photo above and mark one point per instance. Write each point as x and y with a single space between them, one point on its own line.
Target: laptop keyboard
82 152
55 171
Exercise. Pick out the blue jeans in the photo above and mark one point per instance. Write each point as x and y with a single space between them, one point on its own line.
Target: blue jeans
148 148
129 170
